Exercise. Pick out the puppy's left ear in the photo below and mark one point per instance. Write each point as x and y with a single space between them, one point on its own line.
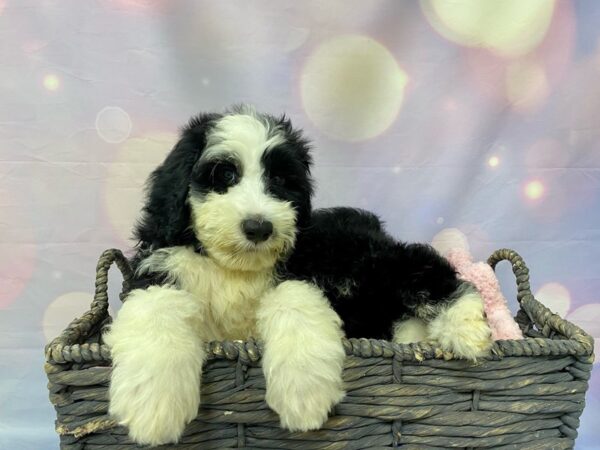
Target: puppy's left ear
302 148
165 218
298 141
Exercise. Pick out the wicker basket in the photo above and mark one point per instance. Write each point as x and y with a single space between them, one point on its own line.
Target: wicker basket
528 394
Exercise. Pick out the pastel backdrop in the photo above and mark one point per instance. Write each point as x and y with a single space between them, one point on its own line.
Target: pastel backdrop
469 122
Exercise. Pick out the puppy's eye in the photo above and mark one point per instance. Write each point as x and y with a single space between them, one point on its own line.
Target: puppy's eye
226 174
278 180
229 176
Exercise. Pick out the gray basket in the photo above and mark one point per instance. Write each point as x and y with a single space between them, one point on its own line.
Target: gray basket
527 395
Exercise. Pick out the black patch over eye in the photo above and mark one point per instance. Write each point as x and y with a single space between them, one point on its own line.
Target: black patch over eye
216 176
290 162
225 174
286 176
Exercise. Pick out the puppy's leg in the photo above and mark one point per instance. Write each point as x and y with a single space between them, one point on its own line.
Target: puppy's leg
157 357
410 330
304 355
459 324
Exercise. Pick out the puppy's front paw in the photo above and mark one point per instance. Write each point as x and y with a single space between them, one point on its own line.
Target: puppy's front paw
462 329
154 406
304 356
302 400
157 358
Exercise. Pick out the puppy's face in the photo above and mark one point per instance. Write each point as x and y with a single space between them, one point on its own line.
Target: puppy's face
247 190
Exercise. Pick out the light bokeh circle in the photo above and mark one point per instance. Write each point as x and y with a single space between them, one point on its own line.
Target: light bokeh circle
588 318
493 161
534 190
450 239
113 124
352 87
525 79
126 177
507 27
51 82
555 297
62 310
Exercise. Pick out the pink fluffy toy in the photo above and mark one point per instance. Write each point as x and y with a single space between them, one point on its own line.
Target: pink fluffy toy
482 276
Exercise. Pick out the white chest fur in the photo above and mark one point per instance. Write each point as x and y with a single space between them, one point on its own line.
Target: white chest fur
231 298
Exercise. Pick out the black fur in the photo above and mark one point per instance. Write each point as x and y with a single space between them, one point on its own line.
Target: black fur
287 173
216 175
166 216
371 279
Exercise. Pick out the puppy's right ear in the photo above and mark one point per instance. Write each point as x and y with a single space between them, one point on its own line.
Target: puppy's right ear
165 220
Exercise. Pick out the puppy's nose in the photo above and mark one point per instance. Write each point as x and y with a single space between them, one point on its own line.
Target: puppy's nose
257 230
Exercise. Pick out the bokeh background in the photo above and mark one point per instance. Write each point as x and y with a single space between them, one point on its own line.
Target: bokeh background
466 121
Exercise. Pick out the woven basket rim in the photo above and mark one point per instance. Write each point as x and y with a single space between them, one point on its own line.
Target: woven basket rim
68 347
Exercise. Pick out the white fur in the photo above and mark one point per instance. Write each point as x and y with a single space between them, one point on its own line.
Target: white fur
162 328
217 217
304 356
231 296
244 135
157 356
226 294
462 328
217 221
410 330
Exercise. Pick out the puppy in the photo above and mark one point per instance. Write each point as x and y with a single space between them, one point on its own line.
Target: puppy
229 249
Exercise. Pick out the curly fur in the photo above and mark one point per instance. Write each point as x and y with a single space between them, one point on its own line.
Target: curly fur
316 276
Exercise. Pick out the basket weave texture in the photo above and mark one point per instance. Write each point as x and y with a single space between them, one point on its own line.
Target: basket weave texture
528 394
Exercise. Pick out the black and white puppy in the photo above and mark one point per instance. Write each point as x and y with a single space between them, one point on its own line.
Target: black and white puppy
229 249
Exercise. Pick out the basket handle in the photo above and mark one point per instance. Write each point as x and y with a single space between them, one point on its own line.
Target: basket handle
81 327
524 318
105 261
532 312
519 268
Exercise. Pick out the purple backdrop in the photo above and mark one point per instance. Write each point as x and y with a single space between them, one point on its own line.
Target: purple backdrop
465 121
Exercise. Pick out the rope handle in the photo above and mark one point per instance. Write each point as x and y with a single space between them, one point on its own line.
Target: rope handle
519 268
80 328
532 312
105 262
